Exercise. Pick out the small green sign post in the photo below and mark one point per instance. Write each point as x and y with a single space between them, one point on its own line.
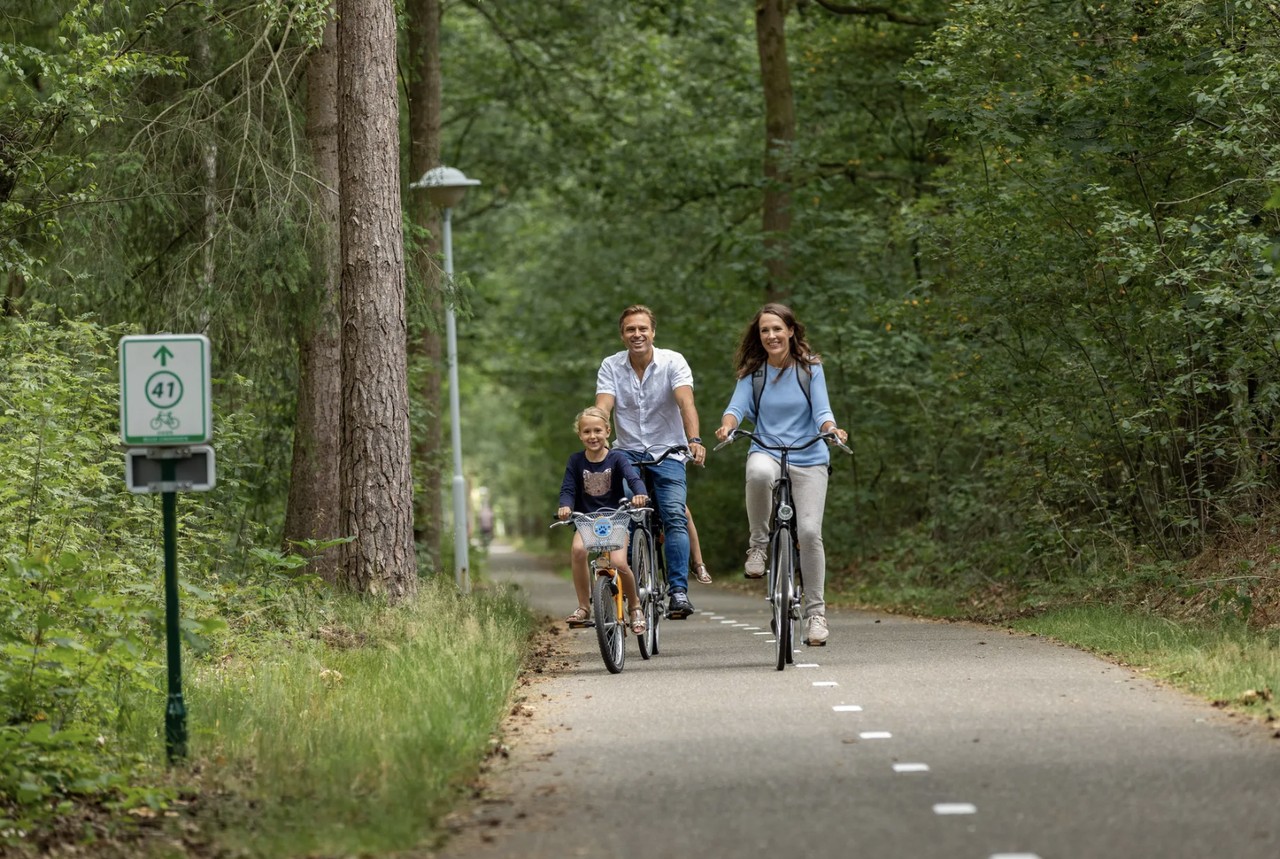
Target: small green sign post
166 406
175 713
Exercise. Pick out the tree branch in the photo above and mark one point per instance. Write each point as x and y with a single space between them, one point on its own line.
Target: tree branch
885 11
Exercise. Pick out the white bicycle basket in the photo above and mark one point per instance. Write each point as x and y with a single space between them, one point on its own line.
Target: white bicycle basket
603 530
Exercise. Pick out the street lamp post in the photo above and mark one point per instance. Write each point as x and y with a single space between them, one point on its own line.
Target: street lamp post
445 187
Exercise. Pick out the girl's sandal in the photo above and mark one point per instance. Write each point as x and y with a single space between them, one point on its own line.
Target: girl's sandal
700 573
579 619
638 624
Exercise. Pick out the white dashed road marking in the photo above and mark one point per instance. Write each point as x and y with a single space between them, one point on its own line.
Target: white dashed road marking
911 768
875 735
955 808
847 708
825 683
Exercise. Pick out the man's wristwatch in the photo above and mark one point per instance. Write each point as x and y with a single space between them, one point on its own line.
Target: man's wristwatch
695 440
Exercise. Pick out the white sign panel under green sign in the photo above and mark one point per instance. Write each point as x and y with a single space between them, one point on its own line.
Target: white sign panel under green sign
165 389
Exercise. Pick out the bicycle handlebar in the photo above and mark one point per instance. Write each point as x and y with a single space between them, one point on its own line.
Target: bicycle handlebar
646 463
760 440
637 513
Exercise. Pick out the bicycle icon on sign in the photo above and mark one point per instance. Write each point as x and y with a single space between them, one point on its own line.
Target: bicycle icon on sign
165 420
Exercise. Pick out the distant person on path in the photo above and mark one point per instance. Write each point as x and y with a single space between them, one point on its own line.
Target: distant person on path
649 392
593 481
791 406
486 524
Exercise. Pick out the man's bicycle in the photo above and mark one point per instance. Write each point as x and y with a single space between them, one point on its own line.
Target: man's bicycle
785 583
603 532
648 560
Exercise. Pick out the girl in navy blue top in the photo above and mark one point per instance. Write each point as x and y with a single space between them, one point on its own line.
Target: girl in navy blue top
595 479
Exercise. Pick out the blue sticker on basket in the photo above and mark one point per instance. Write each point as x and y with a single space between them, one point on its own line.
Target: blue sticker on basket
603 527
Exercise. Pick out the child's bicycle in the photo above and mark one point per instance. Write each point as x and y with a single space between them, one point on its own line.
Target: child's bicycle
603 532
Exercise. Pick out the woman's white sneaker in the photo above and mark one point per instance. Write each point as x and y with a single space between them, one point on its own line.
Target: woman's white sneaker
815 631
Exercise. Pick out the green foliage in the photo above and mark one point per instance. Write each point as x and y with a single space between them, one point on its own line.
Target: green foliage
80 593
66 81
1107 252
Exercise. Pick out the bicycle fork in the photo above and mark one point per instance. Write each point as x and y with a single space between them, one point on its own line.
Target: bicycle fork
615 588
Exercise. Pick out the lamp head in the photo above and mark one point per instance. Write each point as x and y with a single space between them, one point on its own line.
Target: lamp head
445 186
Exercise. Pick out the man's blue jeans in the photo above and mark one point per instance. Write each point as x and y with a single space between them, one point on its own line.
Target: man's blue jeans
669 497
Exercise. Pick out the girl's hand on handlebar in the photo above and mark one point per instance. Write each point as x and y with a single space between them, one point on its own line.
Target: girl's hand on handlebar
723 432
563 513
639 500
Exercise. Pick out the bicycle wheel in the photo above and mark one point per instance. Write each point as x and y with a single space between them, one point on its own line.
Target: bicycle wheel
609 627
659 597
650 599
780 596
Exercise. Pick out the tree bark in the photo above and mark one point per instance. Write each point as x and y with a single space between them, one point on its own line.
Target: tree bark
314 488
780 135
424 153
377 485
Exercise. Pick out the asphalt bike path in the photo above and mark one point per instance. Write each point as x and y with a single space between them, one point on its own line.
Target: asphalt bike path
901 738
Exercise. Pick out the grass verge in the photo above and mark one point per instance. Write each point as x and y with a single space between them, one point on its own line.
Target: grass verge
1202 643
1226 663
359 738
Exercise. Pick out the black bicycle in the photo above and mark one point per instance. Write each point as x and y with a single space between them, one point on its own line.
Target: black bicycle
785 583
648 560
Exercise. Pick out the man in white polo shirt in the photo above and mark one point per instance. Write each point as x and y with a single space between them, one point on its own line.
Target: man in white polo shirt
649 391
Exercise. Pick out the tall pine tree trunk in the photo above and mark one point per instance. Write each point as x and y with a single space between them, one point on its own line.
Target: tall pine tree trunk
780 135
377 484
424 154
314 488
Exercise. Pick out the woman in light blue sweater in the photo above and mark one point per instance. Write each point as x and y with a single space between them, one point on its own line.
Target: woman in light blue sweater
790 406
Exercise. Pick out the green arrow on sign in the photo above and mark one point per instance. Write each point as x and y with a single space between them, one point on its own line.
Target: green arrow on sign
163 354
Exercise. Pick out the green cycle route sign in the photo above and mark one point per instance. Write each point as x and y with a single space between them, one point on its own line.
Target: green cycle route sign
165 389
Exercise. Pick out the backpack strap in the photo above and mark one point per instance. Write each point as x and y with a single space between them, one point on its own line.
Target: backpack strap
757 386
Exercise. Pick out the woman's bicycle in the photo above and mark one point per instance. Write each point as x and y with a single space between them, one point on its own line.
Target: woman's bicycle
603 532
648 560
785 583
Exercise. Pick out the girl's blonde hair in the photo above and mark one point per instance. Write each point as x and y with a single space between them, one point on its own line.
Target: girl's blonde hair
591 412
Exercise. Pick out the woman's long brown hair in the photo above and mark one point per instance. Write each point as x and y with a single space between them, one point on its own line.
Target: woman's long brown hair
751 354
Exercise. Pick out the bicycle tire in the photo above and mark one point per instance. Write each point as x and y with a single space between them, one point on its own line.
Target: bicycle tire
642 566
780 597
660 595
609 627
